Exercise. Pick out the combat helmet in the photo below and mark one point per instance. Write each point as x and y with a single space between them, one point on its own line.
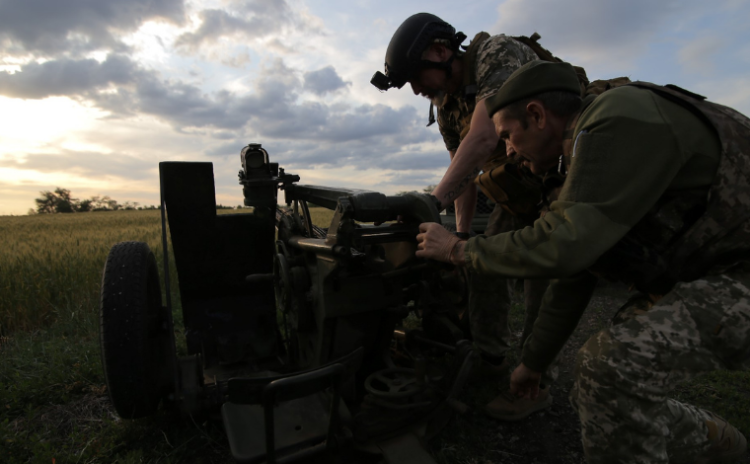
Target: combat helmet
403 59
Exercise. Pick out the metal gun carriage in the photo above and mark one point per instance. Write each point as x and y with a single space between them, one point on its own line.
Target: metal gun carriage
294 333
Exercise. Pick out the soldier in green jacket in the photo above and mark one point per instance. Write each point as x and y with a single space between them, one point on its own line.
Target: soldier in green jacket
657 195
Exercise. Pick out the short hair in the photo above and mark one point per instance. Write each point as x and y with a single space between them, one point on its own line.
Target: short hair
559 102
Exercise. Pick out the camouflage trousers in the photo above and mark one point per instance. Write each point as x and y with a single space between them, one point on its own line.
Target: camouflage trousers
490 297
623 373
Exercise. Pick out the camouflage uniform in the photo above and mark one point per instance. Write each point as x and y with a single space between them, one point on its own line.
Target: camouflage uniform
625 372
653 198
489 296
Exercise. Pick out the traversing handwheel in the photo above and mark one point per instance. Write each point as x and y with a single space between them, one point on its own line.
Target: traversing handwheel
396 382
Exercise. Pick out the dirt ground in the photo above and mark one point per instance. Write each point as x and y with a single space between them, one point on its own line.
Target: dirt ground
552 436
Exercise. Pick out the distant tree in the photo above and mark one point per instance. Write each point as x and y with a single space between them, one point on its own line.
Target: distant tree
96 203
66 203
429 188
59 201
47 203
85 206
111 204
62 201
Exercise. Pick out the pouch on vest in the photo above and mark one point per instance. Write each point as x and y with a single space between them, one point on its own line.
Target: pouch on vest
545 55
512 189
600 86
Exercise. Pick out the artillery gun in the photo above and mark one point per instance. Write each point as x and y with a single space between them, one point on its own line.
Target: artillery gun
294 333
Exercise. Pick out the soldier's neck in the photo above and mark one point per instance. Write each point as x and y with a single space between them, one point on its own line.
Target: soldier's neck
567 134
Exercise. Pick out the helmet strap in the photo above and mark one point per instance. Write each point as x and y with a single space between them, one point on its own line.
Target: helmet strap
431 117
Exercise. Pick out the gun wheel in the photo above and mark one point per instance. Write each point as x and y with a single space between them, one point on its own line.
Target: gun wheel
134 337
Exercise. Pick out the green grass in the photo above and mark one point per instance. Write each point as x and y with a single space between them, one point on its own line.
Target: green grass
727 393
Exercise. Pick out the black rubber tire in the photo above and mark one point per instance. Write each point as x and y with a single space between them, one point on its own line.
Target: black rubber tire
134 339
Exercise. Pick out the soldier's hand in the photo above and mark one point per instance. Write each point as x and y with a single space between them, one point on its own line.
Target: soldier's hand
434 242
524 382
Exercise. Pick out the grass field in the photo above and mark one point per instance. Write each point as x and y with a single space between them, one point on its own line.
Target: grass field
53 403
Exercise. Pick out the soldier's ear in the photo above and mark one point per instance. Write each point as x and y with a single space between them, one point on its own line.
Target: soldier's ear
439 51
536 114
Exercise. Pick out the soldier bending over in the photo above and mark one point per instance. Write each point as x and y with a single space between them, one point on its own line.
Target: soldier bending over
657 195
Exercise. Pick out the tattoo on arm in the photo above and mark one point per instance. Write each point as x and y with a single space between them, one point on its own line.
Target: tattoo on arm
453 194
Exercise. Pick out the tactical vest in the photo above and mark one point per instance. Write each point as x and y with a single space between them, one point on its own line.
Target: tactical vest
545 55
461 108
689 234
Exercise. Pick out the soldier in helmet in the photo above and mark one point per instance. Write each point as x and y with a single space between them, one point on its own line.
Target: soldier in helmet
657 195
426 52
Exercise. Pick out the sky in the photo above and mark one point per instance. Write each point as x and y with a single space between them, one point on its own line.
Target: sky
95 93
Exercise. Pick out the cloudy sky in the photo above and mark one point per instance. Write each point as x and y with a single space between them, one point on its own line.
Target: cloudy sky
94 93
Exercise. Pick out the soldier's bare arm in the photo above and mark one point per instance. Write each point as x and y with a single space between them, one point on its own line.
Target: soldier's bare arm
465 206
475 149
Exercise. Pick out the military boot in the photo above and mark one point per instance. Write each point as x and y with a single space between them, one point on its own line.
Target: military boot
509 407
727 443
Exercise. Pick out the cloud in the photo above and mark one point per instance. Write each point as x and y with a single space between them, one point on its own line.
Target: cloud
393 153
323 81
697 55
219 23
54 27
66 77
85 164
239 60
732 91
246 20
313 132
277 46
609 33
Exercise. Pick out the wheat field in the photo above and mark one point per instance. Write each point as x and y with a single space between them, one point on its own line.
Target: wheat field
51 264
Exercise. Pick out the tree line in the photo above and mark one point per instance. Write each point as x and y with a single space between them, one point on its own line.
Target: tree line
62 201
